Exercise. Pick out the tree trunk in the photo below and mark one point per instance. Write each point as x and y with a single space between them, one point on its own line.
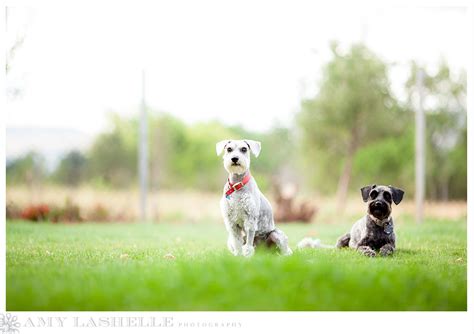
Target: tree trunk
345 178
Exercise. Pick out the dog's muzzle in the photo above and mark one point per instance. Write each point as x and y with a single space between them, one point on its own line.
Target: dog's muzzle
379 209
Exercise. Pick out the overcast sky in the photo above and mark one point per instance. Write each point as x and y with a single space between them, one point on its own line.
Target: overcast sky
247 63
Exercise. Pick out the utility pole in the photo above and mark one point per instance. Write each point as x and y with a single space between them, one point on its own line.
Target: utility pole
420 143
143 154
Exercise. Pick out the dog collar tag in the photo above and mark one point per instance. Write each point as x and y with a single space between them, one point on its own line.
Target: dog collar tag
388 228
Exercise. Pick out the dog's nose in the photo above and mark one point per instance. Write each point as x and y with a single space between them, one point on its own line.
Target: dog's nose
378 204
234 159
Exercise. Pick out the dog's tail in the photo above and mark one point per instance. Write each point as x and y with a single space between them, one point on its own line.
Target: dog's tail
312 243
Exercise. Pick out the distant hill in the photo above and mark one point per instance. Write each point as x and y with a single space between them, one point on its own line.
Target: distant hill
52 143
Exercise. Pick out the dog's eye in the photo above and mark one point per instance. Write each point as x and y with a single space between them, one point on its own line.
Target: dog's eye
229 149
373 194
243 149
387 196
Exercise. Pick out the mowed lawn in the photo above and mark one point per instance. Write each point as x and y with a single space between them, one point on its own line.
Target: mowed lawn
187 267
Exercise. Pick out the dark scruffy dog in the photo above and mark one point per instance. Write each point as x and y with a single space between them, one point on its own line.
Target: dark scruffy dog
375 230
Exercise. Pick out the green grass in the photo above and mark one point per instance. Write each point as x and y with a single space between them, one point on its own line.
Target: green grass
82 267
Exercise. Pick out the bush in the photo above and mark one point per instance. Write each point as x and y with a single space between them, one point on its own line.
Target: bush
36 213
98 214
68 213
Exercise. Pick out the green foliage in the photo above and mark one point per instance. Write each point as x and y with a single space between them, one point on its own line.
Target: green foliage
168 140
446 130
113 155
203 165
72 168
181 155
353 108
353 100
29 168
120 267
457 168
354 113
387 161
184 156
278 151
353 125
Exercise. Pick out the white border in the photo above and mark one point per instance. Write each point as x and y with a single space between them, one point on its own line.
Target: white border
470 164
3 162
253 322
330 322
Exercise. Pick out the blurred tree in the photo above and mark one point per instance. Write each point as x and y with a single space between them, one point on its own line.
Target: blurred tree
278 161
71 169
457 181
168 140
278 143
388 160
181 156
204 166
29 169
184 155
113 155
353 107
446 130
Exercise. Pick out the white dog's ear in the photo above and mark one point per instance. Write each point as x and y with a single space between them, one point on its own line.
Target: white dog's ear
220 146
255 146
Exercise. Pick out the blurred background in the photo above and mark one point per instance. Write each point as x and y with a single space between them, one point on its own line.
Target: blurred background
330 92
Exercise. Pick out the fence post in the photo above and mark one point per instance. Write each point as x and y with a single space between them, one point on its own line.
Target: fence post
420 143
143 154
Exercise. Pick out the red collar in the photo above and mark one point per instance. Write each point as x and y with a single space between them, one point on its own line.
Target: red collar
237 186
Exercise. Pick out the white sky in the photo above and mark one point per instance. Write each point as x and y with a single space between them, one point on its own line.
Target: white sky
247 63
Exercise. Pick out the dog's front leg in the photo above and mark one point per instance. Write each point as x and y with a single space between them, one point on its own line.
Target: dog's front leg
364 248
248 249
387 249
235 240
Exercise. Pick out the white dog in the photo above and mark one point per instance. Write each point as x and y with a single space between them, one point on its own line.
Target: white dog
247 213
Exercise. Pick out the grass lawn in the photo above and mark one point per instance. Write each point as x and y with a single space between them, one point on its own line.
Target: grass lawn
125 267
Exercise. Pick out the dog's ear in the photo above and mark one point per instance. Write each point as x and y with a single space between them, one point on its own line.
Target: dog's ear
221 145
397 194
365 191
254 146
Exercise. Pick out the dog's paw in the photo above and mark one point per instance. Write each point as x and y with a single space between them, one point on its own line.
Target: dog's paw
370 253
236 252
367 251
287 252
248 250
386 251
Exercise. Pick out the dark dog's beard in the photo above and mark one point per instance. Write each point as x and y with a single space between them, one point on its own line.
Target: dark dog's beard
380 212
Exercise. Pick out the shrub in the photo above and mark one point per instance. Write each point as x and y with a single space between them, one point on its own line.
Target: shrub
70 212
98 214
35 213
